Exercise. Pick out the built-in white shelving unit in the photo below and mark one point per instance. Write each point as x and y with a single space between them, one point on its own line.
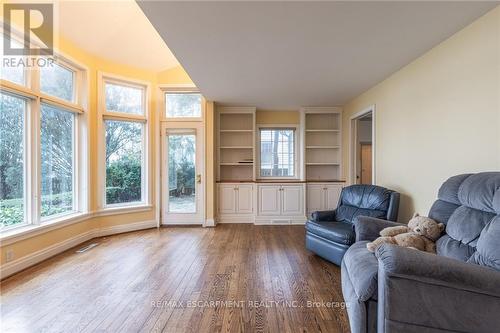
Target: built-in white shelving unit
322 141
235 143
243 198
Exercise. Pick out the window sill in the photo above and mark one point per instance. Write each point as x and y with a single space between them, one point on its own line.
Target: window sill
24 232
28 231
123 209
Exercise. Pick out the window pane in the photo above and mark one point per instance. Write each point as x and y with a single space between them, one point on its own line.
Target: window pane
10 72
57 81
277 154
183 105
11 160
123 161
57 160
123 99
181 173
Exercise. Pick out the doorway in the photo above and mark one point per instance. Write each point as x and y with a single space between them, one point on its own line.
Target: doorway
182 174
362 147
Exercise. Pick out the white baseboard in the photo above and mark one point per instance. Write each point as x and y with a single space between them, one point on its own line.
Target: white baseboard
43 254
209 223
34 258
121 228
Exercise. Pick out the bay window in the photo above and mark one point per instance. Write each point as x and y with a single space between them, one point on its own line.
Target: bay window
12 160
124 123
57 148
42 146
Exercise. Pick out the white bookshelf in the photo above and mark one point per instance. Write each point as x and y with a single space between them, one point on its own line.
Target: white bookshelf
322 144
235 143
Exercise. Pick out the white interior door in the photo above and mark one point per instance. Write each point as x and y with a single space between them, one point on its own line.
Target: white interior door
183 174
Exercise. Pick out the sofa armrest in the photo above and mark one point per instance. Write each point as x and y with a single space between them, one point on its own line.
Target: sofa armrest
368 228
431 268
421 290
323 216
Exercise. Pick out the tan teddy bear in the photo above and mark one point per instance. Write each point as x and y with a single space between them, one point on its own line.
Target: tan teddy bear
421 233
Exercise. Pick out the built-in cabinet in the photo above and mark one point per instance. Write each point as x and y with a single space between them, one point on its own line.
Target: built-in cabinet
280 200
322 197
244 198
235 202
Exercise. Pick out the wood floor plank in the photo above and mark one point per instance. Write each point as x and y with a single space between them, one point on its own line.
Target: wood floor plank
232 278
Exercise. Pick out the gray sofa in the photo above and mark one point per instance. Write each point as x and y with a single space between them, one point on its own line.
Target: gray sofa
458 290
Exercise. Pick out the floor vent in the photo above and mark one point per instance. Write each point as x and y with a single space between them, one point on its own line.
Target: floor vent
86 248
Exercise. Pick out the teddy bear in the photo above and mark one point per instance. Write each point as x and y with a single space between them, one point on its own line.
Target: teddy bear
421 233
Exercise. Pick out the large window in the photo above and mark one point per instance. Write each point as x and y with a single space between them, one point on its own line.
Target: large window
57 145
58 81
277 152
124 119
123 162
15 74
120 98
183 105
12 157
39 149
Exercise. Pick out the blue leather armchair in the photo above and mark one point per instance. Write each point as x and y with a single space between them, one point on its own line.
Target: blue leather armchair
330 233
457 290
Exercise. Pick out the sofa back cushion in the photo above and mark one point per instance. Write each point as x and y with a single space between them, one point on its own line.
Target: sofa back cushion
469 205
363 200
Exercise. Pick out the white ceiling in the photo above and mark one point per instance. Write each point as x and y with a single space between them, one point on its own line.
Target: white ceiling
115 30
283 55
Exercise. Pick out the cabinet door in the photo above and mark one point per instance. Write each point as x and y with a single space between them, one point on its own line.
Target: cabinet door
315 198
269 200
244 199
227 199
292 200
332 196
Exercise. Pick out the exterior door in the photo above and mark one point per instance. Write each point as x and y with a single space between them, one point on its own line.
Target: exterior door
366 164
182 174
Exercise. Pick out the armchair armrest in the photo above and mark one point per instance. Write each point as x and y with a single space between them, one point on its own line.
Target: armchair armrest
323 216
419 290
368 228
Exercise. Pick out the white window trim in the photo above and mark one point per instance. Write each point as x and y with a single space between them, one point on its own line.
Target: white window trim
186 89
103 115
32 162
296 128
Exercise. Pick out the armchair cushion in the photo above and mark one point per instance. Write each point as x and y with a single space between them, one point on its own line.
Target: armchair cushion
368 228
339 232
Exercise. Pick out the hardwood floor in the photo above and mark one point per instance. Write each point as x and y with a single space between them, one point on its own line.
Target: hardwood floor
232 278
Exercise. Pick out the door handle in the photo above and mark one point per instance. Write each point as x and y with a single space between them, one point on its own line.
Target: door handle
198 179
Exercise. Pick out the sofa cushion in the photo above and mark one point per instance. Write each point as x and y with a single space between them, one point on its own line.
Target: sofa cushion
339 232
488 246
360 270
468 205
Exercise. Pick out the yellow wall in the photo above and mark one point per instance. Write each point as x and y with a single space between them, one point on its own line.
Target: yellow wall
438 116
174 76
266 117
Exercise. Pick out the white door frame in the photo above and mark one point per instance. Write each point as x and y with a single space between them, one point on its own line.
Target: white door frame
353 147
197 218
